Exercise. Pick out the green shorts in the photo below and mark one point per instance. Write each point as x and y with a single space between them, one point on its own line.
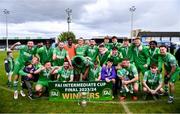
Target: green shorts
17 68
43 83
140 68
79 71
174 76
152 86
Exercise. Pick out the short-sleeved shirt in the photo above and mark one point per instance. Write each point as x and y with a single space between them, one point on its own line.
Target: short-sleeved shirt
117 58
122 73
80 50
64 74
154 53
103 57
131 71
108 46
80 68
92 52
169 60
71 50
116 44
127 52
94 73
140 56
61 55
45 54
25 54
152 79
44 77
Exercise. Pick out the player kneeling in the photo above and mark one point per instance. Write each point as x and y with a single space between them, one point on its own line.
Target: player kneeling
123 75
152 82
129 76
44 77
65 73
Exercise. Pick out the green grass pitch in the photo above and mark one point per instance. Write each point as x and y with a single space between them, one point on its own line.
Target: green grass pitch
42 105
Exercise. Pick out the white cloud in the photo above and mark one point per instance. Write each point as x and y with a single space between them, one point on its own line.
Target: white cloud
92 18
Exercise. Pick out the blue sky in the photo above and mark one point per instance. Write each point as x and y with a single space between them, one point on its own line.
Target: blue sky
47 18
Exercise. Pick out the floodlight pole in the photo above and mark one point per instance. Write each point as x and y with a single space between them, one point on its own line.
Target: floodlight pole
69 14
132 10
6 12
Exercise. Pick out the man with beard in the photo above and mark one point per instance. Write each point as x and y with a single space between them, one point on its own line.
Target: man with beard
65 73
45 53
70 48
132 74
26 53
92 51
59 55
153 52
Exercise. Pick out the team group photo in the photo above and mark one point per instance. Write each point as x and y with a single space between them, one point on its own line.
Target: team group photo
85 70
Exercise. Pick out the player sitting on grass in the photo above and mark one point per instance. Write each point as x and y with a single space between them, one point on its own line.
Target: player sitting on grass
65 73
132 74
152 82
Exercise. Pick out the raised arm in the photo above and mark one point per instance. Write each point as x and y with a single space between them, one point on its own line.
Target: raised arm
14 45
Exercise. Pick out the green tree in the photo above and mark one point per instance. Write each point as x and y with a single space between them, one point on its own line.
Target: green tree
65 35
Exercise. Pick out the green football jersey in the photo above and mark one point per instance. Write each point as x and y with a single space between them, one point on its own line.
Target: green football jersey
25 54
94 73
153 54
80 50
117 58
64 74
80 68
108 46
44 77
116 44
61 55
169 60
152 79
92 52
45 54
122 73
127 52
103 57
131 71
141 57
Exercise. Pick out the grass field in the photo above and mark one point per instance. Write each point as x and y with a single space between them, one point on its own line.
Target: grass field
42 105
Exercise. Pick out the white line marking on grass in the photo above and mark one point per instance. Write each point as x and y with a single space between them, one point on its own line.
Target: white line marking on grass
7 89
126 109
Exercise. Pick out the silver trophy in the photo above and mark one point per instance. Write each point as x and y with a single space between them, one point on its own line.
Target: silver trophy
83 99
